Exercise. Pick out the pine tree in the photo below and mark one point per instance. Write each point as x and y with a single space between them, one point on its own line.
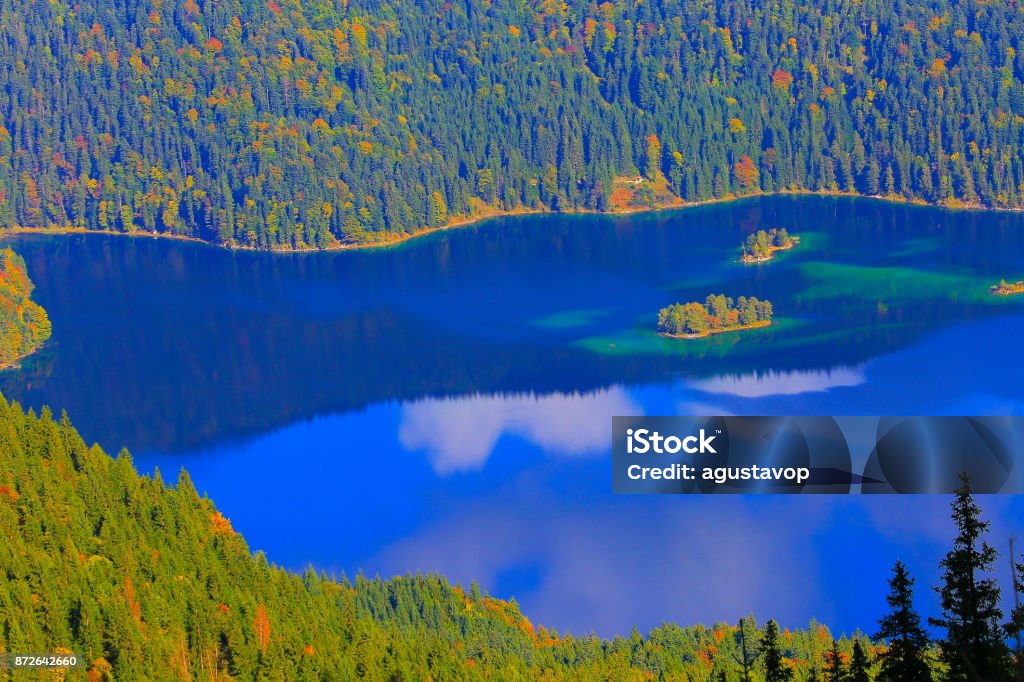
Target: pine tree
748 648
973 648
774 669
859 664
652 164
906 657
1015 628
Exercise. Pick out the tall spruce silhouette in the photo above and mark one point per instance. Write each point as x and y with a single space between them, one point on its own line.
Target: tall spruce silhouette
906 658
859 664
774 669
1015 627
973 647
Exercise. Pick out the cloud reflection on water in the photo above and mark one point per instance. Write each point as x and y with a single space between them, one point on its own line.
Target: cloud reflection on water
760 384
459 434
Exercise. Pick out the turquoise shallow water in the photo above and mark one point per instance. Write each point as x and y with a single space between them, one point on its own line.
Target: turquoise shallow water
444 405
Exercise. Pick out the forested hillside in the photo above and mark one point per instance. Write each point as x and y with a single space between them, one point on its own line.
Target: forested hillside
24 325
147 581
308 123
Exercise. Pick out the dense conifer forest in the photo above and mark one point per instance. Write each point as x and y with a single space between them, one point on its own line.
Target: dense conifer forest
24 325
145 580
312 123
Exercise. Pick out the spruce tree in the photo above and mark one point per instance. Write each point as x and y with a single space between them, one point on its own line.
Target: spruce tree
774 669
1015 628
973 648
905 659
859 664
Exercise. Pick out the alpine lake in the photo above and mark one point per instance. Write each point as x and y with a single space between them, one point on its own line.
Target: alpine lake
445 404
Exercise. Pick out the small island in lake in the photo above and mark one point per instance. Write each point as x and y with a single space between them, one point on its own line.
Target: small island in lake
1005 288
718 314
24 325
762 245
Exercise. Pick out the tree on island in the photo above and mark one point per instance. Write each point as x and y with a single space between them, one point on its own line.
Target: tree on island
718 306
1005 288
906 659
782 238
691 318
973 647
774 668
759 245
717 313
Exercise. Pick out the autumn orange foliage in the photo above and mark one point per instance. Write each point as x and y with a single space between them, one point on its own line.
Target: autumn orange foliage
220 524
133 602
621 198
746 172
781 80
261 626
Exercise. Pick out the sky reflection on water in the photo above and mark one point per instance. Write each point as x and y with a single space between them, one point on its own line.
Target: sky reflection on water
513 492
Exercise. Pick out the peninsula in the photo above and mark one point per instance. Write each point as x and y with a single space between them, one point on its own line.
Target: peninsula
24 325
762 245
1005 288
718 314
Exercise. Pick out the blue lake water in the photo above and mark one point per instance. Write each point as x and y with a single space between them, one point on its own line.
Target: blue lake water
445 405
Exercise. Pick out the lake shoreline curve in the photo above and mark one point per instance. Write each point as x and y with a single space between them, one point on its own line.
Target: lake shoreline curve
395 239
